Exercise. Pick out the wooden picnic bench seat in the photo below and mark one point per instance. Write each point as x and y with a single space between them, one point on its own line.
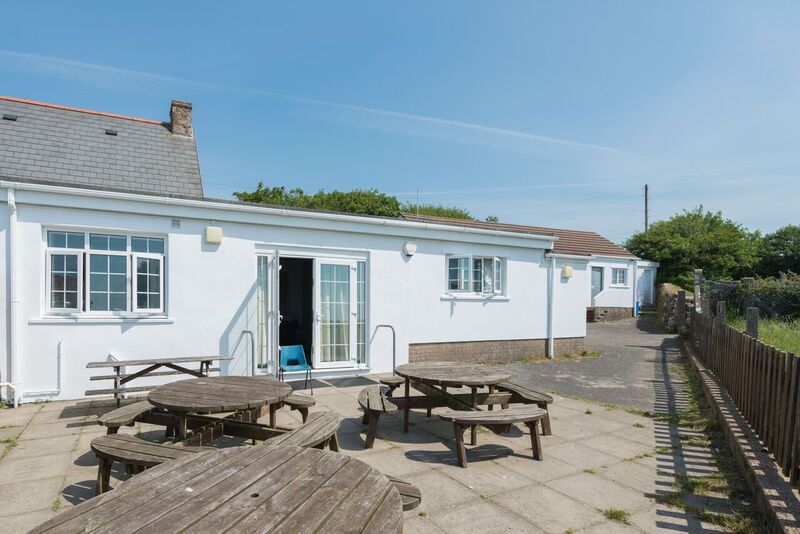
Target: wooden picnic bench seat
409 493
318 432
495 420
525 395
135 453
393 382
374 401
295 401
125 416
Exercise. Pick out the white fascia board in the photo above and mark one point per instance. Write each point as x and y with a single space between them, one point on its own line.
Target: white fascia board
210 210
613 258
574 257
647 263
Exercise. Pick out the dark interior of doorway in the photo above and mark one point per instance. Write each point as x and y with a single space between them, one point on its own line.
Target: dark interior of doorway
297 303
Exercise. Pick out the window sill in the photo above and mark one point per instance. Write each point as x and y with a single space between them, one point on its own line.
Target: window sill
88 319
617 286
474 297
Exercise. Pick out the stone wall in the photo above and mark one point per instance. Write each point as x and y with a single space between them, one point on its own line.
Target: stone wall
668 307
495 351
604 314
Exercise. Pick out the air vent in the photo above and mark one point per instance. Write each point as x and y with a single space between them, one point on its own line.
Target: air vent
9 117
111 132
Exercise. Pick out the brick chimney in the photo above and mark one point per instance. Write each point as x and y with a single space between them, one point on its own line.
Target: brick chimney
180 118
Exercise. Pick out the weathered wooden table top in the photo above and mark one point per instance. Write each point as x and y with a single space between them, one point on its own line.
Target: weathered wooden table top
256 489
453 373
160 361
219 394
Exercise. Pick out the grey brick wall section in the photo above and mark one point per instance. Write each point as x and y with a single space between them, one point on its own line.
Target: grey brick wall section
71 147
495 351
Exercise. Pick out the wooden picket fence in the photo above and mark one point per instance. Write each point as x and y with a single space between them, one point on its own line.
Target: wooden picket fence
762 381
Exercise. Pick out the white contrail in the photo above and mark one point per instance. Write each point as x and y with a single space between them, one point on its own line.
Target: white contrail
100 74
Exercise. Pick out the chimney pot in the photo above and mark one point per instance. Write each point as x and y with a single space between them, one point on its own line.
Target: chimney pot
180 116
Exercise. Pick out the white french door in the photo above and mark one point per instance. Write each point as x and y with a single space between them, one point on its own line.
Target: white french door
269 319
335 313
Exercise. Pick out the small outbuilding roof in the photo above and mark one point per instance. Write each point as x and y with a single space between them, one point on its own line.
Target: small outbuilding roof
76 147
577 242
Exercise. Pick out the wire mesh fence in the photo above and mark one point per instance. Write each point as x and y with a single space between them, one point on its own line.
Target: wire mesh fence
777 298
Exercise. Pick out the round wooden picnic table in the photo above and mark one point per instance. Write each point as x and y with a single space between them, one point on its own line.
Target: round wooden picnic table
217 394
264 488
450 374
454 374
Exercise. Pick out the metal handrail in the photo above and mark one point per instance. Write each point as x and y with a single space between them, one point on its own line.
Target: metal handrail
394 344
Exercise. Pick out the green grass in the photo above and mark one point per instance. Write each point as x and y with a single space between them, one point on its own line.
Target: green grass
618 515
781 334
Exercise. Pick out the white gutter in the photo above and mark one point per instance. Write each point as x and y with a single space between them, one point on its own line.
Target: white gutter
551 295
13 300
568 256
247 208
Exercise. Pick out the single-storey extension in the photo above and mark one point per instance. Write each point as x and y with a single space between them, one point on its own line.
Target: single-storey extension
110 250
618 280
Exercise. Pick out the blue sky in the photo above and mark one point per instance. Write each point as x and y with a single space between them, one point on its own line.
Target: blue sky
553 114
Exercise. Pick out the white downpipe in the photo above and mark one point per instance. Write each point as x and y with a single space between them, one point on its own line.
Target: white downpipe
635 284
13 300
551 295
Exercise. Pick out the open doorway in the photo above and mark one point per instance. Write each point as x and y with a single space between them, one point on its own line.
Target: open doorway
297 303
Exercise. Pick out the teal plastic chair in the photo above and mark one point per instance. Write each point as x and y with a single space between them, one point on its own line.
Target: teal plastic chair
293 358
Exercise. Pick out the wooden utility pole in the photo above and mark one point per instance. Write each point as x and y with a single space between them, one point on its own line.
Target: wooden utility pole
646 209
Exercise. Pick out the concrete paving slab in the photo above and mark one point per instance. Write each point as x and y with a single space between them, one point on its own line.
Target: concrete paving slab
548 509
579 455
481 516
25 521
488 478
43 447
413 523
616 446
440 492
600 493
22 496
35 468
550 469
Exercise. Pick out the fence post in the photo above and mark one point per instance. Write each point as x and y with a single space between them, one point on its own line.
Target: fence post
752 322
680 310
698 283
721 311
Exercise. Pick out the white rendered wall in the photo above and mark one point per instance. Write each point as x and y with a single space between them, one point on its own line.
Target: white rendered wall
211 296
570 299
611 296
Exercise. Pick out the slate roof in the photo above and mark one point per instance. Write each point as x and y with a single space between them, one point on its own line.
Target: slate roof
577 242
69 146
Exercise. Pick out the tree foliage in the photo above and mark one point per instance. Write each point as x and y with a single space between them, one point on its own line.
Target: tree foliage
780 252
697 239
435 210
360 201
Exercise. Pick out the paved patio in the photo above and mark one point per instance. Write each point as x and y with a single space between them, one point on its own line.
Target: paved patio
598 459
594 461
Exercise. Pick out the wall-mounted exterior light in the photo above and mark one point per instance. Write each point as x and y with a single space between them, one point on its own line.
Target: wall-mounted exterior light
213 235
409 248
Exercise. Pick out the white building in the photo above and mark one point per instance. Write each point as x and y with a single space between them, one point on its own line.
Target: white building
617 279
108 250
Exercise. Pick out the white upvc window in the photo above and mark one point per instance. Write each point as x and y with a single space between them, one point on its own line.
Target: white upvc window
475 274
619 276
100 273
148 283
